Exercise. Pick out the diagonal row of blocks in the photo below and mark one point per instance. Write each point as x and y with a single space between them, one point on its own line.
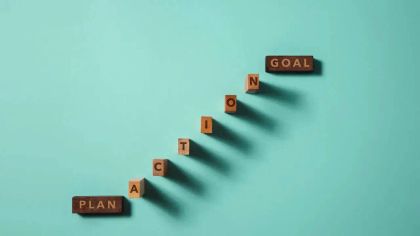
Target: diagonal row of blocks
137 187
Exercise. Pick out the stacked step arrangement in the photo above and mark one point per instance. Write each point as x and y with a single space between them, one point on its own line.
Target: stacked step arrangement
137 187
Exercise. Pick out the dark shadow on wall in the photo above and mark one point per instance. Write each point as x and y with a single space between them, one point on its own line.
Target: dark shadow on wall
228 136
278 94
179 176
161 200
255 117
126 212
209 158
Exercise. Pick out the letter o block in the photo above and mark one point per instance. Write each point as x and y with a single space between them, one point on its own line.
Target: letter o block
230 103
160 167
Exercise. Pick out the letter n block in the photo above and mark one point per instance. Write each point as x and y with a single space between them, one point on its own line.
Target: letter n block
183 146
252 83
230 103
160 167
136 188
206 124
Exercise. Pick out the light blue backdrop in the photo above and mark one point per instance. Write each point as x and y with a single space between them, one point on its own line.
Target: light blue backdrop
92 91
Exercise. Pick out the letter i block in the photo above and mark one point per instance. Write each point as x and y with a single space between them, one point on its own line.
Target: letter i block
206 124
183 146
136 188
252 83
160 167
230 103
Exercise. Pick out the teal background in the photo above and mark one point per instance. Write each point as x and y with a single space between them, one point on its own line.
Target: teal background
92 91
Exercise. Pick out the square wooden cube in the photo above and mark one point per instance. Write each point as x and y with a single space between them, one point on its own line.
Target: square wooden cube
252 83
183 146
136 188
160 167
206 124
230 103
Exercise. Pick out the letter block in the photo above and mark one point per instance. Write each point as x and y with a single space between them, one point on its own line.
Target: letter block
230 103
98 204
160 167
206 124
136 188
277 64
183 146
252 83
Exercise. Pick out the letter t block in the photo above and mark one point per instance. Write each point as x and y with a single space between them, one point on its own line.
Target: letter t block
183 146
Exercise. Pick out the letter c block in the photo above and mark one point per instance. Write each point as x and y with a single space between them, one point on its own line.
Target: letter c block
160 167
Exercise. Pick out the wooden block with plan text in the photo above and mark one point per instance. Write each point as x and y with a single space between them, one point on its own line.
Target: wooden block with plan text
98 204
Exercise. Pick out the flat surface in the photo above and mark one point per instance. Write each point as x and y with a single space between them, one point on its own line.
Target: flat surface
92 91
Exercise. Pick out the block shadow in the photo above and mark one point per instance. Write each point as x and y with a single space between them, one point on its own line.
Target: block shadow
318 67
318 70
161 200
251 115
230 137
126 212
179 176
209 158
278 94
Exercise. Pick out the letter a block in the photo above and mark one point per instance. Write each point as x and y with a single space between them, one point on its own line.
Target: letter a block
160 167
252 83
136 188
183 146
230 103
206 125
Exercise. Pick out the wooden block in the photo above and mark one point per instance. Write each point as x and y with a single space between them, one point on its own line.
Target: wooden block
276 64
206 124
160 167
136 188
252 83
183 146
97 204
230 103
